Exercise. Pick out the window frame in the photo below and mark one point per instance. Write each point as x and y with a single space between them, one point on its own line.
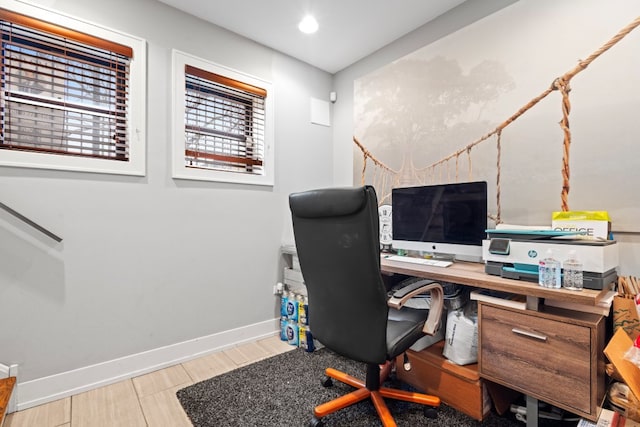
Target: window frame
136 103
180 61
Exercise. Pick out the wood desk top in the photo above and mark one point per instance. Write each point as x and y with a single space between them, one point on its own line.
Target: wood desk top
472 274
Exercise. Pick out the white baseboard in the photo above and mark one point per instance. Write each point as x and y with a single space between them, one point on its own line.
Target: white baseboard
54 387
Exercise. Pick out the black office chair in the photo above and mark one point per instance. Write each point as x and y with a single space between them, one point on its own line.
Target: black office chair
337 240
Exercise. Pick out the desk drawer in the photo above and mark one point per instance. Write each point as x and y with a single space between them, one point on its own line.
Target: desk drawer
540 356
458 386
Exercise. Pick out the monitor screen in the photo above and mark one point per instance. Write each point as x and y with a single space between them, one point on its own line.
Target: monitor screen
446 219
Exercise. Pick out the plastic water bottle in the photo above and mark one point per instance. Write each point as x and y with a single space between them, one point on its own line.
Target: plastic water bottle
572 272
555 271
292 307
303 308
543 273
284 299
305 338
292 332
283 328
549 271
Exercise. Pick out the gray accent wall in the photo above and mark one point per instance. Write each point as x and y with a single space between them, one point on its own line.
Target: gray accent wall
153 261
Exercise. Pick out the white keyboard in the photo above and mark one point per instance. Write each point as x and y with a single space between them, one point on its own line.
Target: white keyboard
423 261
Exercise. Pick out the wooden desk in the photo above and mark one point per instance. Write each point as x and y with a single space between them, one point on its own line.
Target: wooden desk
534 374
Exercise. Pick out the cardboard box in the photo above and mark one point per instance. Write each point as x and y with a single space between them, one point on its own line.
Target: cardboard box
590 224
615 351
625 316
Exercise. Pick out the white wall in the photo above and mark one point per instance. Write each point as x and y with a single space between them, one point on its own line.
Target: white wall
152 262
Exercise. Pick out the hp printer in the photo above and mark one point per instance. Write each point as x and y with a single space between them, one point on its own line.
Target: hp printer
515 254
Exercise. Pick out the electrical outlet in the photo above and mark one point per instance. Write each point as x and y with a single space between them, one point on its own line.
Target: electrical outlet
278 288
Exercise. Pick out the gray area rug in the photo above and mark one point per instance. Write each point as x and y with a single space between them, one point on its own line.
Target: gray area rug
283 390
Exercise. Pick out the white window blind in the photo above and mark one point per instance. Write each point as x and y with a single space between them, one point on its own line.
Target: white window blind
224 123
63 92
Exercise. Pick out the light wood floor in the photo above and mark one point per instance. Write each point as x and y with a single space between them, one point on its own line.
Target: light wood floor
148 400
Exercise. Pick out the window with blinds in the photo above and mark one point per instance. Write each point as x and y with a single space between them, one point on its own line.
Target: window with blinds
224 122
61 95
64 93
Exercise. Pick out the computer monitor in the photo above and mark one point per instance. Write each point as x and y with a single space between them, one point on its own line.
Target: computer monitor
447 220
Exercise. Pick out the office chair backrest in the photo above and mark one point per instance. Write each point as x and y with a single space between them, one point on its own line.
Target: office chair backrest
337 239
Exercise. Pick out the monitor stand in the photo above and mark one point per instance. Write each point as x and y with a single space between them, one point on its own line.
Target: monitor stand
454 258
470 258
441 257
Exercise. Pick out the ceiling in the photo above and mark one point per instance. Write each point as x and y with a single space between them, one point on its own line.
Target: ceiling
349 29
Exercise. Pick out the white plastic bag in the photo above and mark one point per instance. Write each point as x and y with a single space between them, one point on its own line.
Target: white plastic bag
461 336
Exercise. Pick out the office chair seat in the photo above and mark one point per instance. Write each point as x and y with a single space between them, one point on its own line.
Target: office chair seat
337 239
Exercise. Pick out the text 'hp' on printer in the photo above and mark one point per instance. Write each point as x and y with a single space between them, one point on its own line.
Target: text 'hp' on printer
515 254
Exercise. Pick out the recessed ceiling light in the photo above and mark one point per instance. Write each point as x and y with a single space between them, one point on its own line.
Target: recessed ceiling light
308 25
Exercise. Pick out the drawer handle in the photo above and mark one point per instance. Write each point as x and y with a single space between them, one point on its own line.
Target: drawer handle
529 334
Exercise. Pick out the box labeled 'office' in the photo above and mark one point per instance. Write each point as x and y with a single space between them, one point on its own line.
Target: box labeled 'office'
589 224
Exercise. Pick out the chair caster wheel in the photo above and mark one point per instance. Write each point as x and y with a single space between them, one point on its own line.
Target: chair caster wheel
431 413
316 422
327 382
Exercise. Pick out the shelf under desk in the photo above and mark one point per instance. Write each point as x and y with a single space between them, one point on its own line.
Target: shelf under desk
472 274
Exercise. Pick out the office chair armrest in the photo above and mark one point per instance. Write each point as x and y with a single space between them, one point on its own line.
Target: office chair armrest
400 297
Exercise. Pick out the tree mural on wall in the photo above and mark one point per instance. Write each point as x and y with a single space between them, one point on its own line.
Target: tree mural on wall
416 110
421 117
